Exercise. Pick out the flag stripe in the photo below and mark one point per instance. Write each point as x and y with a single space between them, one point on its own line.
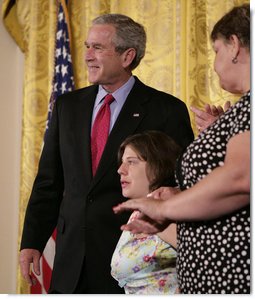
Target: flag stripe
46 272
49 249
37 287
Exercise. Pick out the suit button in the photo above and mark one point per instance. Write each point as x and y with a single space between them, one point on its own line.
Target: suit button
90 198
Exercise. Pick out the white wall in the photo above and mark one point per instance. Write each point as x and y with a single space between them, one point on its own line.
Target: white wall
11 77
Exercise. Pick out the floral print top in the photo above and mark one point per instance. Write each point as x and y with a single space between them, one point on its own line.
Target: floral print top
144 264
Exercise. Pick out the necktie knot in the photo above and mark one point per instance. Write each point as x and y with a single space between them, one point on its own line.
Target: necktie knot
108 99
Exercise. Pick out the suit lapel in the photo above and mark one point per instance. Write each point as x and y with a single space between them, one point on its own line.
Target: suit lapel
84 114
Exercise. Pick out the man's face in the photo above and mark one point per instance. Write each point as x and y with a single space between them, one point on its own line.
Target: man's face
105 65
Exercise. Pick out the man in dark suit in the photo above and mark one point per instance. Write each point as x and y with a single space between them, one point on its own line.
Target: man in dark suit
65 194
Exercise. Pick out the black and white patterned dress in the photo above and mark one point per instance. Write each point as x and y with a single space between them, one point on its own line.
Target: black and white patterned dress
214 256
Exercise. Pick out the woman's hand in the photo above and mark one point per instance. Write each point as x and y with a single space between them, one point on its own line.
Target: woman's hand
151 219
205 118
164 193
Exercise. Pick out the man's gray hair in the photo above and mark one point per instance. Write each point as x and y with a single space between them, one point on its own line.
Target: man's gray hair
129 34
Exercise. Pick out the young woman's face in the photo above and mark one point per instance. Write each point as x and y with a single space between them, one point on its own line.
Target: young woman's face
133 177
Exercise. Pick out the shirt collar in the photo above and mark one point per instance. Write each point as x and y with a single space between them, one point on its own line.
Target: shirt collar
119 95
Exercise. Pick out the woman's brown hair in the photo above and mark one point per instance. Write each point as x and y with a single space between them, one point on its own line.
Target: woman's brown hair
237 22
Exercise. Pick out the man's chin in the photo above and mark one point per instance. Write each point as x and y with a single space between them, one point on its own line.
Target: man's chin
93 81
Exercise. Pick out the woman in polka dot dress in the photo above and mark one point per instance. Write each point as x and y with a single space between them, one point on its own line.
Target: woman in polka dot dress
213 209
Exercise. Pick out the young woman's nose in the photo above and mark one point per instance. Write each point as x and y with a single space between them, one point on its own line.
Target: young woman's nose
122 169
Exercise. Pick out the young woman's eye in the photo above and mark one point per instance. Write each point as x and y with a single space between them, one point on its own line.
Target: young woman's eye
132 162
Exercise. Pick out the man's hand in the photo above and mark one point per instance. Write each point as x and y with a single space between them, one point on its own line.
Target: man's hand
205 118
27 257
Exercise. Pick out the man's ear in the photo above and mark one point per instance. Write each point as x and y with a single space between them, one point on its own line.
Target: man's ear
128 56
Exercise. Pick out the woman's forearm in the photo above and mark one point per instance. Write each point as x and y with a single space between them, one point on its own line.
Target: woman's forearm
204 201
224 190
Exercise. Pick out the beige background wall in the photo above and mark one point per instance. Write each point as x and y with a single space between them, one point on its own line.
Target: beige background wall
11 76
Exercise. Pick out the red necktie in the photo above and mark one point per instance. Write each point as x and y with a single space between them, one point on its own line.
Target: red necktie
100 131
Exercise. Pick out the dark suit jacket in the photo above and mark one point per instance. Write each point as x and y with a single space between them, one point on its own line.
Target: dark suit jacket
67 196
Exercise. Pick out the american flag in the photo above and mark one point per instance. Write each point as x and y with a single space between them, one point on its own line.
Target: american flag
63 81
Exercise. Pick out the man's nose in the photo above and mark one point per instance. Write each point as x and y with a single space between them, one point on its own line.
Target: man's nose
89 54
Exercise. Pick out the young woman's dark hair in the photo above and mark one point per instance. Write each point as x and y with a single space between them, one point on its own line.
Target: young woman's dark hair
159 151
